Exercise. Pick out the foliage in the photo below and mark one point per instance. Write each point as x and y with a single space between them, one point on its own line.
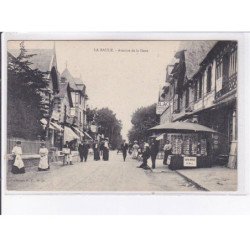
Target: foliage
26 101
142 119
107 123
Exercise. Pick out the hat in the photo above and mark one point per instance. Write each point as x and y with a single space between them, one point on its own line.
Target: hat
135 141
18 142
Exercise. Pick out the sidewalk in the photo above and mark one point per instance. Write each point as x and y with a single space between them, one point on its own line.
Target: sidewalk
212 179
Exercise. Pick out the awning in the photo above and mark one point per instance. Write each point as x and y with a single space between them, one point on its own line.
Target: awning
88 135
169 127
79 131
160 137
69 134
55 126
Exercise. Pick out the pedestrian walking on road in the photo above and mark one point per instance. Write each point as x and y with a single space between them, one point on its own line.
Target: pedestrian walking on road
85 150
67 153
167 151
145 156
96 150
154 149
18 166
135 150
43 163
101 146
80 150
124 148
106 150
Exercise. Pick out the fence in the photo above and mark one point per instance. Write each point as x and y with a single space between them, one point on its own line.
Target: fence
28 147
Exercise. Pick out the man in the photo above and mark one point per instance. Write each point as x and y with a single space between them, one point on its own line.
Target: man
85 150
154 149
145 156
124 148
80 150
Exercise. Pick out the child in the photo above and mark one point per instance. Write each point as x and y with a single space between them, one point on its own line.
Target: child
18 166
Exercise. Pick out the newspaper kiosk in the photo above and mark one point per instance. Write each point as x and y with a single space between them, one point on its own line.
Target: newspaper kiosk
189 151
191 144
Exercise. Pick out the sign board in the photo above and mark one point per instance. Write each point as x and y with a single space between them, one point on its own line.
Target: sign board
189 161
161 107
93 128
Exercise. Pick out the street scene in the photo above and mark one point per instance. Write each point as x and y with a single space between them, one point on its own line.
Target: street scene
122 116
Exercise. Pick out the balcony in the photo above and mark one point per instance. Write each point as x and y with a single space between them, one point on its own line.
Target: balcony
229 85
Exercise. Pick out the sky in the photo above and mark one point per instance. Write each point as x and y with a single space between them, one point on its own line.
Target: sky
120 75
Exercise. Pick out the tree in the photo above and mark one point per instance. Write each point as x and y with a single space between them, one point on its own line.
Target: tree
108 124
143 119
26 102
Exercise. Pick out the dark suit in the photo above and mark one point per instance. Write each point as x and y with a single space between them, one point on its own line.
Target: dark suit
85 151
154 149
80 150
124 148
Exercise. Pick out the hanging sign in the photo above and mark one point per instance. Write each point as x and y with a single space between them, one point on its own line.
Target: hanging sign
161 107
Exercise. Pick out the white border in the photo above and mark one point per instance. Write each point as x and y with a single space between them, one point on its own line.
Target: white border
62 197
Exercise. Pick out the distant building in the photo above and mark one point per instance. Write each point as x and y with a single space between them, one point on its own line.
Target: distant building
202 87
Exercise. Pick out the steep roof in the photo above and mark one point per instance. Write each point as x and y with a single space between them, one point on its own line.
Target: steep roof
63 90
75 83
195 52
42 59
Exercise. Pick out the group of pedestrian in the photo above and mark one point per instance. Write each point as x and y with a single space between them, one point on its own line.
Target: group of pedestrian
150 150
143 151
17 161
100 149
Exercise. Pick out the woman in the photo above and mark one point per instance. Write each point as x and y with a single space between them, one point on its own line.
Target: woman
135 150
96 151
167 151
106 150
43 152
18 166
145 156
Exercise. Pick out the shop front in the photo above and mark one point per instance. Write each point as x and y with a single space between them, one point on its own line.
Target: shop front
191 150
191 144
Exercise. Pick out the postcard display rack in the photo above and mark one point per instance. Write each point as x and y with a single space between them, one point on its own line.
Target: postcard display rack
188 151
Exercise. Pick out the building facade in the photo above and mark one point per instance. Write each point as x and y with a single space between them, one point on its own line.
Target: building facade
206 93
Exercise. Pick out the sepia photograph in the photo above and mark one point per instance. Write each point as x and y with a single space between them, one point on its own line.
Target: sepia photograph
152 116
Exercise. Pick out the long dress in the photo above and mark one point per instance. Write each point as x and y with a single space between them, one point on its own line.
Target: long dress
105 151
18 166
43 164
167 151
96 152
135 151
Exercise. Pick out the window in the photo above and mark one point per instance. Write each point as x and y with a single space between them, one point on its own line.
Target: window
233 63
209 79
200 87
77 98
195 91
187 98
218 73
225 69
